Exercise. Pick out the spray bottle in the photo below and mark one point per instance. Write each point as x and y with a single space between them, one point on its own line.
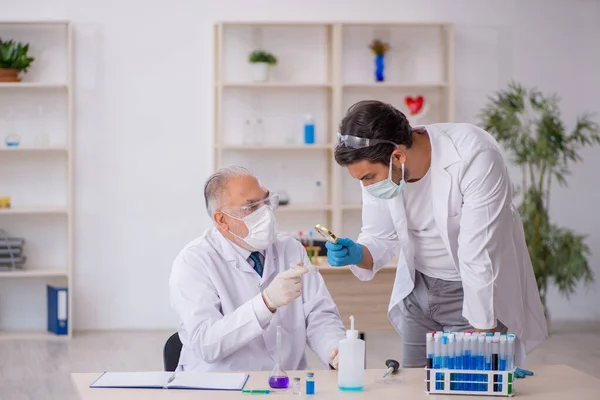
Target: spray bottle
351 368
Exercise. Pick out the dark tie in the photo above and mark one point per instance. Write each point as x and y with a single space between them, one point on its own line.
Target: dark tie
258 265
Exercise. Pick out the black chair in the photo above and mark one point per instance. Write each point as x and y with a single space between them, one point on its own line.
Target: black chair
171 352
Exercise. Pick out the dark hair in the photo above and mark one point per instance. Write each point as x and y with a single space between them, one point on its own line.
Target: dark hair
373 119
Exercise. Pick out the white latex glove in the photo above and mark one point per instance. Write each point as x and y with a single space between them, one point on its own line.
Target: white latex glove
285 288
334 359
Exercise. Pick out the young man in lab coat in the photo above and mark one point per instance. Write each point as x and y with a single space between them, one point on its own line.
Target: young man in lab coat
439 198
235 284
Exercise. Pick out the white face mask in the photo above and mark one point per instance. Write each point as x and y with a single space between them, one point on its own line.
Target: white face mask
262 228
387 188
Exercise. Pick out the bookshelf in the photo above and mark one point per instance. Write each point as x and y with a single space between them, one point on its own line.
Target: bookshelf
323 68
38 176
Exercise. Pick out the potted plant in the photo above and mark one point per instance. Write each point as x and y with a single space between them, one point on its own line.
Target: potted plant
379 48
527 124
13 60
261 62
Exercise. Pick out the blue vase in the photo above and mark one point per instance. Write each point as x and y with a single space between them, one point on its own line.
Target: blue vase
379 67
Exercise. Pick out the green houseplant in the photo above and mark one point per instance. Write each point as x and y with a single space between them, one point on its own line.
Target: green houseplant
528 125
13 60
261 61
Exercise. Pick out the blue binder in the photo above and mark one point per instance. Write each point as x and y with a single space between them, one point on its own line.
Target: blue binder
58 310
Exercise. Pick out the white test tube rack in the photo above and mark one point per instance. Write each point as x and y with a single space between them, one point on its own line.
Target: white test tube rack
470 382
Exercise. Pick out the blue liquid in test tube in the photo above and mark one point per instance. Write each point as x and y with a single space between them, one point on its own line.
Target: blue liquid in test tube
445 357
437 357
467 360
480 360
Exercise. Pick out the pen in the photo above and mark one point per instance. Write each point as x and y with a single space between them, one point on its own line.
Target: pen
256 391
171 378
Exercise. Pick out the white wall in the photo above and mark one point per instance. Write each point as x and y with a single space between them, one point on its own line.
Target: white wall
144 122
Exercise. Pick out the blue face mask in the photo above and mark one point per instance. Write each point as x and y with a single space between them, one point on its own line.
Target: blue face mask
387 188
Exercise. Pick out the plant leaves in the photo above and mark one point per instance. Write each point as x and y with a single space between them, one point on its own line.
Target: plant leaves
528 125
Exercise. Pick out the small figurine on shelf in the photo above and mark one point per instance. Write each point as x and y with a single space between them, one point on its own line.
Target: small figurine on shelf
417 108
13 60
5 202
261 62
379 48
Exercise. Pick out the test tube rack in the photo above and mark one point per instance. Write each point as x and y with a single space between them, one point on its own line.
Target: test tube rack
470 382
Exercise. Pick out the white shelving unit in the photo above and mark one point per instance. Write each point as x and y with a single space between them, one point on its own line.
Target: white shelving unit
38 175
323 68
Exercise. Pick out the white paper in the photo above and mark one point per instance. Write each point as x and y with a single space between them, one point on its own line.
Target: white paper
133 379
208 380
183 380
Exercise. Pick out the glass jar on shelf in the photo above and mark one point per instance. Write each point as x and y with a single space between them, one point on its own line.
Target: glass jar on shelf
259 132
248 133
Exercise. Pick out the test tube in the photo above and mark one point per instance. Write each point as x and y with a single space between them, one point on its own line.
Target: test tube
510 364
467 360
488 351
429 349
481 353
481 359
458 350
475 360
451 351
495 352
503 353
437 350
437 357
444 351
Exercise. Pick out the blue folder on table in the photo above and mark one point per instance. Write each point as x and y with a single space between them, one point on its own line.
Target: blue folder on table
58 310
190 380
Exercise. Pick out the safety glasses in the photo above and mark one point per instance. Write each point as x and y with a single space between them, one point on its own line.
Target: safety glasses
355 142
272 201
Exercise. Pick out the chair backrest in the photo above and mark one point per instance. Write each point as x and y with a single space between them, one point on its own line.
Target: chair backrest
171 352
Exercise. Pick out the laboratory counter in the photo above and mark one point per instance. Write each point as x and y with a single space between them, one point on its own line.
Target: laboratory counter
550 382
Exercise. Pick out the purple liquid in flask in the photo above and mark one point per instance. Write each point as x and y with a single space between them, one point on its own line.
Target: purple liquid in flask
279 382
278 378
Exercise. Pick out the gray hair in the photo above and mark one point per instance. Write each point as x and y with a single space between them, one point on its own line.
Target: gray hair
214 187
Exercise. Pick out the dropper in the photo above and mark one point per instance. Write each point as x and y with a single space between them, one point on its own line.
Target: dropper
352 333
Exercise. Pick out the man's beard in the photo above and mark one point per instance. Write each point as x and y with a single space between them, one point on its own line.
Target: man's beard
397 174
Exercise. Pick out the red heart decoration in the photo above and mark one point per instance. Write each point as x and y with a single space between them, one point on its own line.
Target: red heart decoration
414 104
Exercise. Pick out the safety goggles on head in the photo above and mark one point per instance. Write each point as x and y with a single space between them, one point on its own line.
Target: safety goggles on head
271 201
355 142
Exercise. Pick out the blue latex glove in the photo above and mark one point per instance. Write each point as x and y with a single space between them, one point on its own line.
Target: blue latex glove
521 373
344 252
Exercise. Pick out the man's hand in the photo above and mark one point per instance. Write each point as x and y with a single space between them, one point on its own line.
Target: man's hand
344 252
334 359
285 288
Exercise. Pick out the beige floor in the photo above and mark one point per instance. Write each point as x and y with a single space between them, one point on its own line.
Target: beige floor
40 369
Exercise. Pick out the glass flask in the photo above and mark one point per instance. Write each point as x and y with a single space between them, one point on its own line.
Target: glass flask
279 378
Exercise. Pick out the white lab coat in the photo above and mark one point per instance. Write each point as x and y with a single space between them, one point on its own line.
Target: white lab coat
225 325
480 227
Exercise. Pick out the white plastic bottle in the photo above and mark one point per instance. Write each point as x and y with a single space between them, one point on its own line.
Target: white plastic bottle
351 367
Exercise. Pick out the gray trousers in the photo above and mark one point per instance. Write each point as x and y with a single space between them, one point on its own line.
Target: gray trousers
433 305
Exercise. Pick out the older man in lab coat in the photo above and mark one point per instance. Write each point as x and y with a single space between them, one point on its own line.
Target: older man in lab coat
439 198
235 284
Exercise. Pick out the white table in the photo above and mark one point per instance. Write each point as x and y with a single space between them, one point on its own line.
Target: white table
550 382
